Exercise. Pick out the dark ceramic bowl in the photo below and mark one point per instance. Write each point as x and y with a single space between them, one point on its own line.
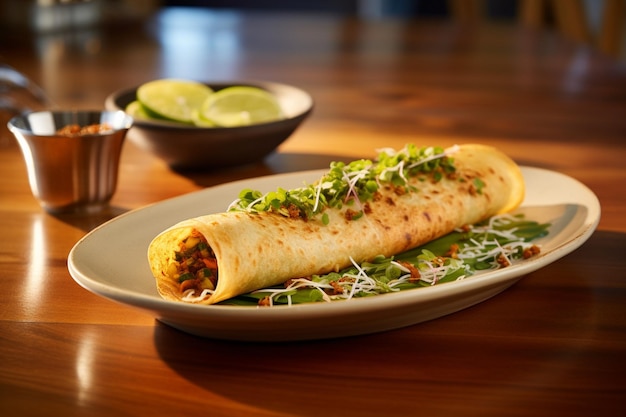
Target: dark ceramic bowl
191 147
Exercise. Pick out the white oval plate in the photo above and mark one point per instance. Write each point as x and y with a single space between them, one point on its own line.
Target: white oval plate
111 261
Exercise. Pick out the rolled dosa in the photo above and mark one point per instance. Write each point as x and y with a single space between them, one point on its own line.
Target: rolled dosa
259 249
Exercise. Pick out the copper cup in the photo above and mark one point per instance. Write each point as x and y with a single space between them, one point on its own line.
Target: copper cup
71 172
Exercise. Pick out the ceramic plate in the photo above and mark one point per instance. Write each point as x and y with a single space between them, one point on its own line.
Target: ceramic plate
111 261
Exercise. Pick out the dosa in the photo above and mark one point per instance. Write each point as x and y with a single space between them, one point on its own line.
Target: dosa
247 249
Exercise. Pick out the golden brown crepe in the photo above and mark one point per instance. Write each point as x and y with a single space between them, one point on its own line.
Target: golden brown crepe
256 250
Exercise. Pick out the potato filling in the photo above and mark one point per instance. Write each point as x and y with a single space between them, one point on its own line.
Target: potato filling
194 266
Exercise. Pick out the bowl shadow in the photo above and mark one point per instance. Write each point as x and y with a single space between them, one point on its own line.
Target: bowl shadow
276 163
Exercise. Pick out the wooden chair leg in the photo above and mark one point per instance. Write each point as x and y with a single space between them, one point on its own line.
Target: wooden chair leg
531 12
612 29
467 10
571 19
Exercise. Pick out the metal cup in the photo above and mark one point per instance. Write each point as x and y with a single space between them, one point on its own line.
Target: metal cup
76 173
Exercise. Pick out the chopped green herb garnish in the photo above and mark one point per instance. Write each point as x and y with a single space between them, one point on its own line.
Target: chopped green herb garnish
345 184
479 184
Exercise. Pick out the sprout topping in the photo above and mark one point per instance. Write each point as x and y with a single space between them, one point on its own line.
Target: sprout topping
351 184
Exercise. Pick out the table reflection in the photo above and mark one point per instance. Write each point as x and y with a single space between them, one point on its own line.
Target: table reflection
199 39
84 367
36 272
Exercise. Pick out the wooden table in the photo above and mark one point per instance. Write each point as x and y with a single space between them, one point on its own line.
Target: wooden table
553 344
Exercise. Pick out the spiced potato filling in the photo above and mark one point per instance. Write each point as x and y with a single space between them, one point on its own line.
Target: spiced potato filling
194 266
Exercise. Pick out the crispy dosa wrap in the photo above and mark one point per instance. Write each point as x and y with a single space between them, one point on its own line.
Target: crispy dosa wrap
355 213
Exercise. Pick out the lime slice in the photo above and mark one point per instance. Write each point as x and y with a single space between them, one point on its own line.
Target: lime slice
241 106
136 110
199 120
173 99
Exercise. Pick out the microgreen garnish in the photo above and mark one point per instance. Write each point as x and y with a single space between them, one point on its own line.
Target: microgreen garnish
351 183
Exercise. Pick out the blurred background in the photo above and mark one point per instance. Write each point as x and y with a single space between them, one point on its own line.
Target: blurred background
72 50
599 23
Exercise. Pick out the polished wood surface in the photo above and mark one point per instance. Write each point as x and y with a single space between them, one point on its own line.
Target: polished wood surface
553 344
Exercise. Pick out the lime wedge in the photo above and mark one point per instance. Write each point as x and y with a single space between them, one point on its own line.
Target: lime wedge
173 99
241 106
